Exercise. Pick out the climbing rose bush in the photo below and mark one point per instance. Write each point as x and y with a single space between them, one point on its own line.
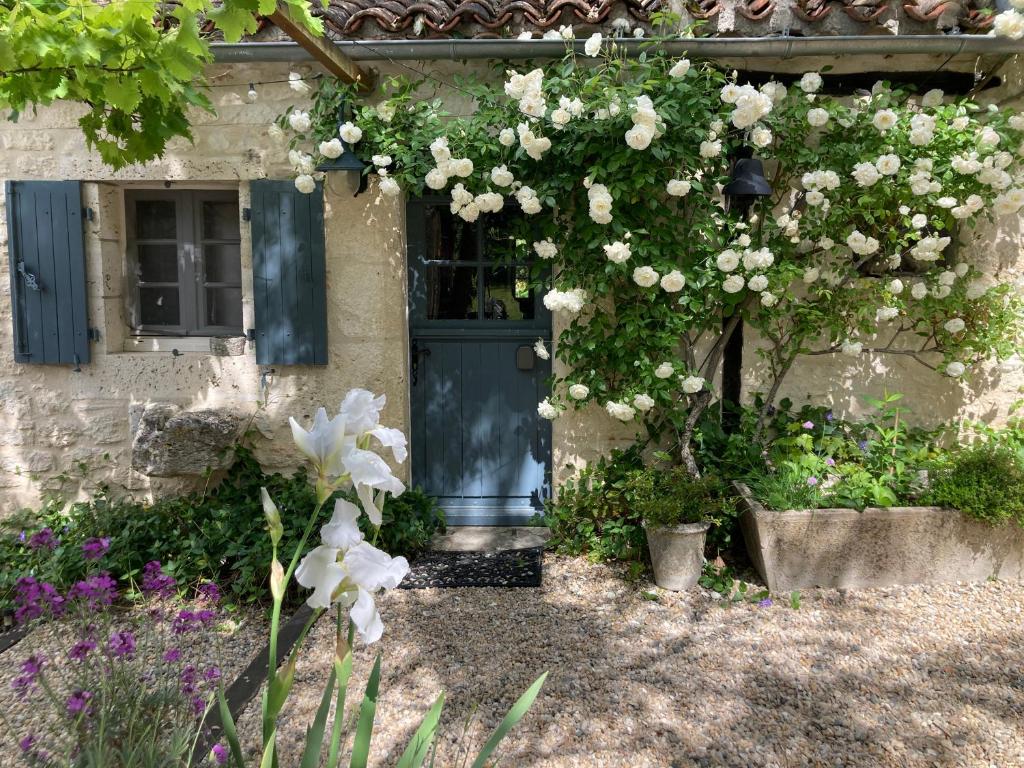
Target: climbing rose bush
617 166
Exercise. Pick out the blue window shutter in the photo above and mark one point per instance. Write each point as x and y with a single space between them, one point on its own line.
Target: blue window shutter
289 280
46 253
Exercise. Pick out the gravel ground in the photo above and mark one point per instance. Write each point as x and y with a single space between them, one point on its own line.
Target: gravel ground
230 647
911 676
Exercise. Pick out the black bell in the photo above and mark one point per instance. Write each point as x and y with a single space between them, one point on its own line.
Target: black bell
748 179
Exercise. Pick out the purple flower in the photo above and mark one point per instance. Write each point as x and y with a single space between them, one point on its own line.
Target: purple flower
155 581
78 702
34 598
81 649
766 603
189 621
209 591
863 445
211 674
812 481
189 677
122 644
95 548
219 754
172 656
27 743
43 539
808 425
30 671
96 591
830 461
829 416
198 705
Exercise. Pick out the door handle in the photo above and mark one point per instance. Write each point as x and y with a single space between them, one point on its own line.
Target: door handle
415 352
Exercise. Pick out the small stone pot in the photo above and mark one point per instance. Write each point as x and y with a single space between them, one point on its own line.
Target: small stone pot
677 553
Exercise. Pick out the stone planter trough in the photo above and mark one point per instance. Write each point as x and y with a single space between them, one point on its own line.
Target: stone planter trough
879 547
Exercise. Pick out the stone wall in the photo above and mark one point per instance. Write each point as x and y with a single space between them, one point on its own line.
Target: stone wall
52 418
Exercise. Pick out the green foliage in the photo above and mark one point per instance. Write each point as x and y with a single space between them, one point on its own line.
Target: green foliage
591 515
984 481
136 67
219 535
666 497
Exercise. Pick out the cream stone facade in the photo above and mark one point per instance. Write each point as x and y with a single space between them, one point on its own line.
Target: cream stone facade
53 418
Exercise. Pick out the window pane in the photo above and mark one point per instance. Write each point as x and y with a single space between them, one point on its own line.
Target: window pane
155 220
223 263
220 220
224 307
158 306
451 293
449 238
158 263
507 294
502 240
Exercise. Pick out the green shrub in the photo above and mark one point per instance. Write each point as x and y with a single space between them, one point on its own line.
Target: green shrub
590 515
216 535
984 481
665 497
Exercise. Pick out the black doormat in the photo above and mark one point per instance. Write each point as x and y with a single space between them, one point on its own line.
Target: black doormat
506 568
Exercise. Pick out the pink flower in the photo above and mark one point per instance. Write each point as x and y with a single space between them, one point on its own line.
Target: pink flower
808 425
812 481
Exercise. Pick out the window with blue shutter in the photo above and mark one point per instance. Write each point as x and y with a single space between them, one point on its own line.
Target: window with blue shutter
46 252
289 284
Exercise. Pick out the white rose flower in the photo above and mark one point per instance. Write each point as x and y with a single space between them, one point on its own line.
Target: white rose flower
546 410
643 402
618 252
852 348
275 132
886 314
673 282
546 249
769 299
919 221
961 269
678 187
757 283
733 284
381 161
579 391
941 291
709 149
502 176
728 260
817 117
299 121
389 187
947 278
645 277
895 287
639 137
955 370
386 110
946 202
811 275
866 174
815 198
619 411
507 137
988 137
439 149
593 45
761 137
960 123
826 243
305 183
350 132
297 83
331 149
810 83
932 98
884 120
919 290
692 384
664 371
954 325
436 179
888 165
541 350
680 68
560 118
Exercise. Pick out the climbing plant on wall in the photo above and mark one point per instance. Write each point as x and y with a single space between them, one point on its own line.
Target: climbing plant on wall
135 67
619 164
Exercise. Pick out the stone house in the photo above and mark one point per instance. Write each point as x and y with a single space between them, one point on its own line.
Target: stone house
155 312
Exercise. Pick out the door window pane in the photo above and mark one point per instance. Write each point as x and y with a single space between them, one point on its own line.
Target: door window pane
503 237
223 263
224 307
449 238
155 220
220 220
451 293
159 306
157 263
507 293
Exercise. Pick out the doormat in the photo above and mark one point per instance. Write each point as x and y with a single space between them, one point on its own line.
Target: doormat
445 570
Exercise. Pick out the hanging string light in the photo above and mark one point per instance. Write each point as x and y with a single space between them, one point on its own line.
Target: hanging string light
251 96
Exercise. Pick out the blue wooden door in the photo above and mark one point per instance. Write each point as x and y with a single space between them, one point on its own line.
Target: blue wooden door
475 381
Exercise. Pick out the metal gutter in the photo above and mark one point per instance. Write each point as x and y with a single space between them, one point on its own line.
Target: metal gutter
701 47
